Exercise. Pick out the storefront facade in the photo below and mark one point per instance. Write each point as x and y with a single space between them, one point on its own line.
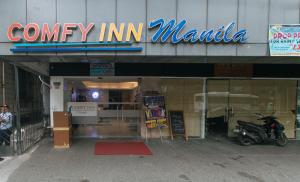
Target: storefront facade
209 59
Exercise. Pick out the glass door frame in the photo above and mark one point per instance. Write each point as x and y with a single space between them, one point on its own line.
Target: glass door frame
227 109
121 112
205 105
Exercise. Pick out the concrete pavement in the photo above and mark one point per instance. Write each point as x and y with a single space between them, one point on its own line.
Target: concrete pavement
173 161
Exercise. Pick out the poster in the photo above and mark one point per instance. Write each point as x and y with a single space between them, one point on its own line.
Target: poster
155 111
284 40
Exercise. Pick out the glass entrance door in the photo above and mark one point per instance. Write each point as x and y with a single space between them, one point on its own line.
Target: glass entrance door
231 100
103 108
119 119
267 97
219 114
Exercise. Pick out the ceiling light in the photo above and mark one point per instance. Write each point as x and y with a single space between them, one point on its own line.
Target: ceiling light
95 95
119 86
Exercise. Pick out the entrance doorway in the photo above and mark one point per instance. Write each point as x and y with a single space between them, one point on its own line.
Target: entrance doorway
103 108
211 105
219 112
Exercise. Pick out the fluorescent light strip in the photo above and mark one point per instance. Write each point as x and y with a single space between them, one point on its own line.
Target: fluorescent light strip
75 49
101 85
70 44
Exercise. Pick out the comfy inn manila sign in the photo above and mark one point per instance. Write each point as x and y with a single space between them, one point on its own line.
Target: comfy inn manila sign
32 37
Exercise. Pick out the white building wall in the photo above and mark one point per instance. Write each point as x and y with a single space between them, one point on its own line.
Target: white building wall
253 15
56 95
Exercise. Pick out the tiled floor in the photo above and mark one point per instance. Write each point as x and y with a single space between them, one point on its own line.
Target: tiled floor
172 161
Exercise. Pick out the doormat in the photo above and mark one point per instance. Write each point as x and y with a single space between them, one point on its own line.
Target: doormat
121 148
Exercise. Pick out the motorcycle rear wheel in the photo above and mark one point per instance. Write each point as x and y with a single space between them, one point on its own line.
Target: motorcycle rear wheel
282 140
245 141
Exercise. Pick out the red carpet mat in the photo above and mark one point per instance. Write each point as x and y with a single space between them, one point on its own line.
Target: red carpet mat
121 148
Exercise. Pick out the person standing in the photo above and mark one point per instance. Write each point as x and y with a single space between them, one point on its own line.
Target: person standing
5 125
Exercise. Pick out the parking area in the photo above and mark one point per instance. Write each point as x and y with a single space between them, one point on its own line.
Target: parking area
179 161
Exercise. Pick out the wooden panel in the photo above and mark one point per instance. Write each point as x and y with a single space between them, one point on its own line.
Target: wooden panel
62 129
62 138
61 119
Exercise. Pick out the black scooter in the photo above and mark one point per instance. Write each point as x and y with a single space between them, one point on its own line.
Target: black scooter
250 133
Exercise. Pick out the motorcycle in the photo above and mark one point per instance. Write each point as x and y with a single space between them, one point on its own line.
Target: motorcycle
272 130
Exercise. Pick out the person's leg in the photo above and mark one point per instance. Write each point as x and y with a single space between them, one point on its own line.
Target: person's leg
7 133
1 137
1 142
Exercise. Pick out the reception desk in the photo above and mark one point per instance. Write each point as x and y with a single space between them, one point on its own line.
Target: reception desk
62 129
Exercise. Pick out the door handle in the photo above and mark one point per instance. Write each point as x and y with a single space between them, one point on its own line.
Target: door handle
122 112
117 112
226 114
230 114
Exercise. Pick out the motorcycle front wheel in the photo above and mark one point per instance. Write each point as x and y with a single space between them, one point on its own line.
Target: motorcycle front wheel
245 141
282 140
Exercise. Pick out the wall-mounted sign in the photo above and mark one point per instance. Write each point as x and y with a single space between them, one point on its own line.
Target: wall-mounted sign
284 40
222 34
83 108
102 69
56 85
110 37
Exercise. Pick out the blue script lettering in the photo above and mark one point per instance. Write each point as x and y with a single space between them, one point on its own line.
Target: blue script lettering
174 32
165 31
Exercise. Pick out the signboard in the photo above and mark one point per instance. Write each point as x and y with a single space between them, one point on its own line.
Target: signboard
83 108
33 37
102 69
177 123
284 40
155 111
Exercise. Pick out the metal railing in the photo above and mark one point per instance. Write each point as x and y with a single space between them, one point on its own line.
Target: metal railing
18 140
6 146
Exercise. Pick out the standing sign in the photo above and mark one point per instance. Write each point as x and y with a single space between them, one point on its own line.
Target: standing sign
155 112
177 123
284 40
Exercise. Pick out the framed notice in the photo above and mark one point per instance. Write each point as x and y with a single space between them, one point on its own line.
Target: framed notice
284 40
177 124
